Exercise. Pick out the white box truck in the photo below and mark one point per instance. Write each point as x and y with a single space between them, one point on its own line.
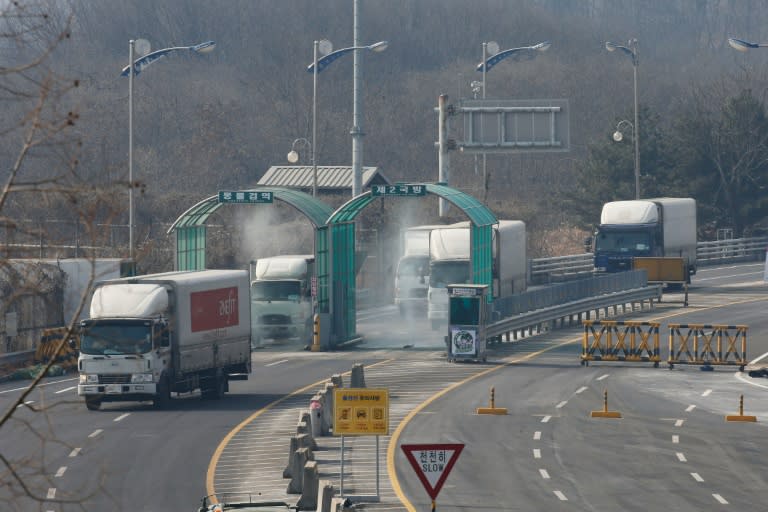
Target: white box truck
449 263
281 298
659 227
412 274
151 335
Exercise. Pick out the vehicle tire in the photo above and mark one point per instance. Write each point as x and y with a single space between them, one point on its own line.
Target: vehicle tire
163 398
213 387
93 404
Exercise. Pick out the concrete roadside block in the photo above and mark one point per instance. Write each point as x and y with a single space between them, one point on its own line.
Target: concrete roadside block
316 415
358 376
304 427
329 388
300 458
308 499
292 447
337 380
297 442
324 496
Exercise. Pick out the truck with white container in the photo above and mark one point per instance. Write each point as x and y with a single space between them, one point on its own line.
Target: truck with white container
449 263
148 336
281 298
659 227
412 274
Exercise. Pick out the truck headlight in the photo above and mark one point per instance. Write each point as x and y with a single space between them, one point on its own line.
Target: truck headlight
141 377
90 378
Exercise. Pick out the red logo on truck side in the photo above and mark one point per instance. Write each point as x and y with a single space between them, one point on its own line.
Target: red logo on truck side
214 309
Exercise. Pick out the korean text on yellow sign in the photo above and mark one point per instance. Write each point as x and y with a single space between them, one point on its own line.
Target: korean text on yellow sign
360 411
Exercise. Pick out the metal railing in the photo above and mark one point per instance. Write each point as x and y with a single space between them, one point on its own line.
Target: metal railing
575 266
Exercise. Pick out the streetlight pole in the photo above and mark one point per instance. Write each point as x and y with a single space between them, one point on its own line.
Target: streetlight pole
488 62
357 108
134 67
314 117
631 51
356 132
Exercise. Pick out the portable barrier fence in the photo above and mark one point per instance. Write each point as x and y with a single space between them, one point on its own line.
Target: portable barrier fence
708 345
609 340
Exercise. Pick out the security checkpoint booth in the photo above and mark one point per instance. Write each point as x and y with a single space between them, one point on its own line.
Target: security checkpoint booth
467 314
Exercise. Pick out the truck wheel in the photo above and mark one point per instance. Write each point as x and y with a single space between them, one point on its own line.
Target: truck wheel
93 404
163 399
214 387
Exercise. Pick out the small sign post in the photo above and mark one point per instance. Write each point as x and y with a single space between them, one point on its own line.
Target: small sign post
432 463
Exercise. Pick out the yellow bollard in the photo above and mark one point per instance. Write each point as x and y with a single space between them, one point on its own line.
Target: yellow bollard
605 413
316 333
740 416
492 409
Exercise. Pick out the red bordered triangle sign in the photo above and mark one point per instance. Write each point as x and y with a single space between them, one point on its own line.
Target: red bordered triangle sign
432 463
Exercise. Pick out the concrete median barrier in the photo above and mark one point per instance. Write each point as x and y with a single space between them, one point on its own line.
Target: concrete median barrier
299 460
358 376
309 488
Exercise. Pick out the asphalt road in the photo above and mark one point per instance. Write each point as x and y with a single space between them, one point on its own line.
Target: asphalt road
131 457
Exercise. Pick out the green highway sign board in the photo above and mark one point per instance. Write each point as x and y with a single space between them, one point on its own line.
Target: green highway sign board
398 190
244 196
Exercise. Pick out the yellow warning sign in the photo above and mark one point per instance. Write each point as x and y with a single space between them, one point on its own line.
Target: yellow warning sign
360 411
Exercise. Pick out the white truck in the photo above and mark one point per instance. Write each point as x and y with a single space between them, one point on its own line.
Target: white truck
412 274
660 227
281 298
151 335
449 263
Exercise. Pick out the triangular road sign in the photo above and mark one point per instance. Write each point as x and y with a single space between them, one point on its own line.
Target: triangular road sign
432 463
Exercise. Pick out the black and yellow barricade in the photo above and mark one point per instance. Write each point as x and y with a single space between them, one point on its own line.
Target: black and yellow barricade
708 345
608 340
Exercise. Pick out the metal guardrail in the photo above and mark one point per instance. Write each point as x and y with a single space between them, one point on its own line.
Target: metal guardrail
563 268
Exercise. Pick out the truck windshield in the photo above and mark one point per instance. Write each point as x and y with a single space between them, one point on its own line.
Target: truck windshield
115 339
623 241
444 273
413 267
275 290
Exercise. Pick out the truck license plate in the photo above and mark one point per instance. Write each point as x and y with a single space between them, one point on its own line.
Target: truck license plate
113 388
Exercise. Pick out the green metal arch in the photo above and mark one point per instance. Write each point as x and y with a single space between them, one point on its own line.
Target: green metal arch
342 251
191 231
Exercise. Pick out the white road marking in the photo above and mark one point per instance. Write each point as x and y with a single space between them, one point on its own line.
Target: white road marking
544 474
61 471
70 388
75 452
719 498
536 435
581 389
675 439
536 453
603 376
561 404
697 477
51 493
690 408
707 392
681 457
95 432
25 403
546 419
679 423
122 417
560 496
277 362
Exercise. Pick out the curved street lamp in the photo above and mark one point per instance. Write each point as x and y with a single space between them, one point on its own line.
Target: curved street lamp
293 155
631 51
618 136
133 70
357 145
743 46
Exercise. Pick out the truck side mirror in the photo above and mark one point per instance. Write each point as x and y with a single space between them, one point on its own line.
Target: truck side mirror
165 339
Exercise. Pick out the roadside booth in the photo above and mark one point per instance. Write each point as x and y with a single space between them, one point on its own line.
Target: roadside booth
467 305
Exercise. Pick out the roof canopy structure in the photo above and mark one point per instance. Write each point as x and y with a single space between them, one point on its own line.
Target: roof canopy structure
329 178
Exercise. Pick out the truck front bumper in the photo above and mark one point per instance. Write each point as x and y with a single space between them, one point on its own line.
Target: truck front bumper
118 391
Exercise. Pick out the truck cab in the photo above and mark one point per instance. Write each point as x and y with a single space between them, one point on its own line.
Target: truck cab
616 245
281 298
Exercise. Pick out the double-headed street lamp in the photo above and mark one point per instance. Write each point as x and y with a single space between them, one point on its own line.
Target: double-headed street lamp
316 67
631 51
130 71
743 46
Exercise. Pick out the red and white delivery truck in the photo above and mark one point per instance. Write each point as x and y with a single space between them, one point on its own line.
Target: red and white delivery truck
148 336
